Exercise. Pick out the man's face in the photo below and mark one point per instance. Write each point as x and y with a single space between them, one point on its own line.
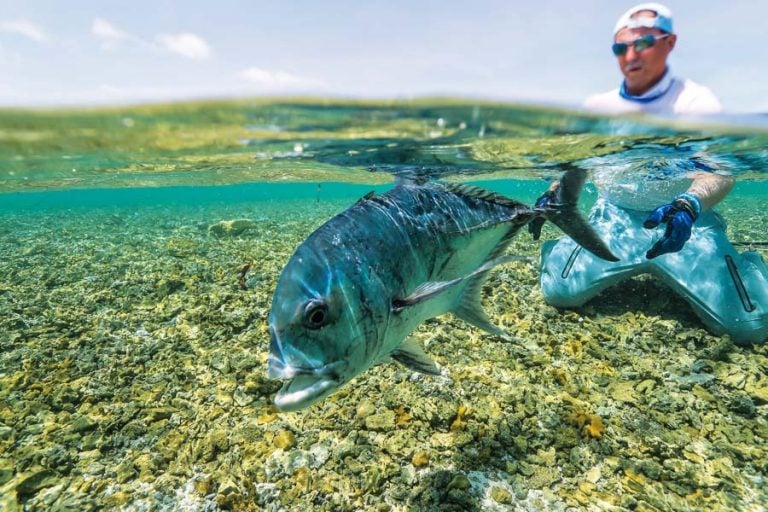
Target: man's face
642 69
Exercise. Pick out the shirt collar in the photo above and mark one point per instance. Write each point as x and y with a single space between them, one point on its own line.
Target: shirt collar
655 92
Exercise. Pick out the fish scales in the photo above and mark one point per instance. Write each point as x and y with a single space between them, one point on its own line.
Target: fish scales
411 233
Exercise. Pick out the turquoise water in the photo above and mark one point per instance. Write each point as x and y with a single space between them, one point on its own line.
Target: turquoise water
133 343
742 208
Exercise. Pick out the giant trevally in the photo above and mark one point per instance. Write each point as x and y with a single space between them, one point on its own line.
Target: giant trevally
362 282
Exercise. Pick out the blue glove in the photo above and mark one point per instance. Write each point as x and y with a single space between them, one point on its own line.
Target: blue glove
544 200
679 217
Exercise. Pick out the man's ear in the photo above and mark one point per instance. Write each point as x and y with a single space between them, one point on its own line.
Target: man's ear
672 40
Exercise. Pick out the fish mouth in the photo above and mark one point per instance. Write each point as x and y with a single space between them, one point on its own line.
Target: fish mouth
303 386
302 391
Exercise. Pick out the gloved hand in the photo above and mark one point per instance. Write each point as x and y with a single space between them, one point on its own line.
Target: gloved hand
546 199
679 217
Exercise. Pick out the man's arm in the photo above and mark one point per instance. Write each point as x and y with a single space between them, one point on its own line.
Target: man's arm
710 188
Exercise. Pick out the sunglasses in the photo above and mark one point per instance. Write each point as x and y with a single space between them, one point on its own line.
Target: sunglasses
639 44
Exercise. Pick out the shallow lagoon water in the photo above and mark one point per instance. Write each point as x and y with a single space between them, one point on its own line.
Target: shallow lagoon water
133 356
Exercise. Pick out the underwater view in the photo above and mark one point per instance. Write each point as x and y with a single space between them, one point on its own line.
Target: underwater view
140 253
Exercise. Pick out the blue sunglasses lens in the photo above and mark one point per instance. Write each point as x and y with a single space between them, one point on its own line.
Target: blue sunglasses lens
644 42
640 44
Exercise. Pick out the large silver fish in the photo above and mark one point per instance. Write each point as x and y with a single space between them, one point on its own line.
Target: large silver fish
361 283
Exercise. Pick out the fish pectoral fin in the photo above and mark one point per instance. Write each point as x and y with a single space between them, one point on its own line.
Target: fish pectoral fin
423 292
431 289
411 354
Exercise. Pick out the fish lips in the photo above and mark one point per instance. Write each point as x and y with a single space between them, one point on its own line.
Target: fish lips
304 386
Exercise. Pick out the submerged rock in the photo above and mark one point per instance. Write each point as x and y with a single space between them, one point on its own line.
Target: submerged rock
231 228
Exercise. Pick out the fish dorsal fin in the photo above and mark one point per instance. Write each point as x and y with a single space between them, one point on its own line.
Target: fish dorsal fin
431 289
409 178
372 197
482 194
411 354
367 197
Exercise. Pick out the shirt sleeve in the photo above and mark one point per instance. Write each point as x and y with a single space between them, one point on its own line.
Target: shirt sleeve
701 100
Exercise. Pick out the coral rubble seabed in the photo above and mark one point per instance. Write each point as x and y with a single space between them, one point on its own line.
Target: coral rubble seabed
132 375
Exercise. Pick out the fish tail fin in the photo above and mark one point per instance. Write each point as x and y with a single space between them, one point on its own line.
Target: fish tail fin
564 213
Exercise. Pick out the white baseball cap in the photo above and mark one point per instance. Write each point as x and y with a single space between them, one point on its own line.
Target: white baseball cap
662 20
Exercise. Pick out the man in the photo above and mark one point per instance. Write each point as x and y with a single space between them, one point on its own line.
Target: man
643 40
692 255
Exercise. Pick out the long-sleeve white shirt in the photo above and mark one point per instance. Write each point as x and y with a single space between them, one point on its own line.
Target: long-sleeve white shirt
672 95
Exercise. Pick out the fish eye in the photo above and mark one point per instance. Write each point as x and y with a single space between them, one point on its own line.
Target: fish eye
315 314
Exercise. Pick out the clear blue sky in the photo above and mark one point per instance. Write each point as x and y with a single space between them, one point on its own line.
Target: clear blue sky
547 51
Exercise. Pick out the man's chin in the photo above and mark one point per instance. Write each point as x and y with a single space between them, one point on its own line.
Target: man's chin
630 73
